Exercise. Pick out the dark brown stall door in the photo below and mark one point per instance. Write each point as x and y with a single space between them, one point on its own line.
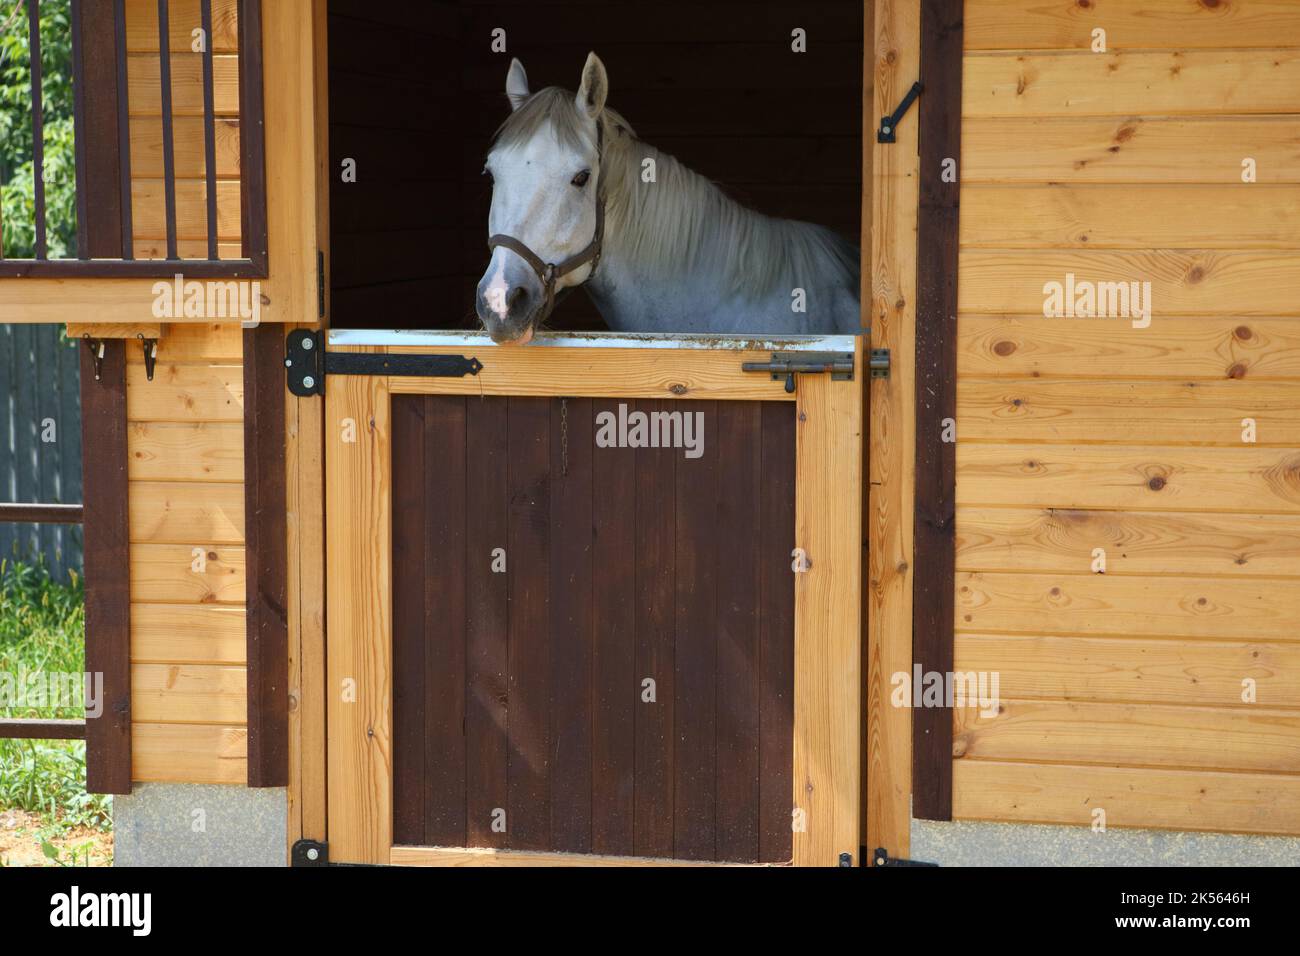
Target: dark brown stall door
521 710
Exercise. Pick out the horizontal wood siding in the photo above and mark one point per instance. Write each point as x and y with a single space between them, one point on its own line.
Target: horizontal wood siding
1123 690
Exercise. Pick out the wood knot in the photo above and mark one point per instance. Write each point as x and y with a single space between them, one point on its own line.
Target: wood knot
1237 371
678 389
1242 332
1004 348
1156 483
1196 275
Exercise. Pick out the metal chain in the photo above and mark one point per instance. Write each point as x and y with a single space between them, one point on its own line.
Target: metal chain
564 437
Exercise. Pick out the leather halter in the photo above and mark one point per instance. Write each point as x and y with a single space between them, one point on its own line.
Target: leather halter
550 272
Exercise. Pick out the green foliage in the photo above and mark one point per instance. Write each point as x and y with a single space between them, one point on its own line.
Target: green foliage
17 196
42 628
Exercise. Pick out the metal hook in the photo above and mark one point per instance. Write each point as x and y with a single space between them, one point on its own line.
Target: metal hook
96 348
150 354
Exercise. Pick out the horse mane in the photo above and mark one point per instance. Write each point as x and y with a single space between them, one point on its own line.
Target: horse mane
683 219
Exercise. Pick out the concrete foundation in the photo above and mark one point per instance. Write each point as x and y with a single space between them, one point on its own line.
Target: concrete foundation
183 824
1017 844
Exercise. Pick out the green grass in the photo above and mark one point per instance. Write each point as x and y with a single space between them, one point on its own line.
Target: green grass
42 629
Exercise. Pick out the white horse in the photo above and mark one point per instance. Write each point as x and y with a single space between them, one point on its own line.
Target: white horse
577 199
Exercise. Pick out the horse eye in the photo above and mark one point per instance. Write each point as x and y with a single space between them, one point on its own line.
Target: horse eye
580 180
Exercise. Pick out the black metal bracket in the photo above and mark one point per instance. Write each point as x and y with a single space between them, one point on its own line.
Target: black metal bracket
888 125
307 363
785 365
309 853
150 355
96 349
880 363
880 857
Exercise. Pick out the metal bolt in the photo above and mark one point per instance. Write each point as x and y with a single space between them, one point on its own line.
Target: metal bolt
307 344
313 854
308 381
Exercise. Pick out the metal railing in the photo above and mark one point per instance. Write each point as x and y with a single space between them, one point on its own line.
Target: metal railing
26 728
102 148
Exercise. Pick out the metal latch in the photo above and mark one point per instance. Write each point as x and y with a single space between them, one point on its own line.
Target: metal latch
307 363
889 124
789 364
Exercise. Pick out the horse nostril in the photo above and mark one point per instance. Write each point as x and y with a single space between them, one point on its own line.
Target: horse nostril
518 296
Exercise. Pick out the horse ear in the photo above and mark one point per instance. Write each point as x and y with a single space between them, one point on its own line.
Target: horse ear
517 84
594 88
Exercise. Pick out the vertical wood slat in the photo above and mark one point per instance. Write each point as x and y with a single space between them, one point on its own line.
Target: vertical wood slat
168 144
936 398
776 648
656 531
409 573
615 686
209 128
38 125
99 172
570 558
107 563
529 665
487 621
443 591
252 135
126 249
695 654
79 124
266 547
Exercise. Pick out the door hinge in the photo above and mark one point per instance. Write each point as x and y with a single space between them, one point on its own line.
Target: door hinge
786 365
307 363
309 853
888 132
320 284
880 363
880 857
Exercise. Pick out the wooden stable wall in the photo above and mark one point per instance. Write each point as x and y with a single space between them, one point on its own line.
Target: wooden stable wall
1123 690
148 196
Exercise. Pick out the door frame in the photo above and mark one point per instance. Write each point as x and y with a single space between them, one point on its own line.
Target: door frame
358 533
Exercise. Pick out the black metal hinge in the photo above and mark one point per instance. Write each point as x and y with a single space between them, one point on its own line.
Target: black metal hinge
880 857
889 125
309 853
880 363
307 363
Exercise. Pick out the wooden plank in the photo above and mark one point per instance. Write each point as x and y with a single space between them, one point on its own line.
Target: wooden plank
182 19
936 396
1150 735
166 574
99 192
1160 799
1247 479
1120 83
188 694
616 686
1099 411
572 703
1174 347
266 577
695 756
186 451
442 594
190 753
150 330
186 393
199 343
776 634
186 249
188 139
1155 24
1158 150
1183 282
1118 670
604 373
828 661
149 212
187 84
1220 545
358 555
439 856
188 633
655 727
107 530
737 448
168 512
409 573
528 811
1151 216
892 455
487 707
1184 607
26 728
